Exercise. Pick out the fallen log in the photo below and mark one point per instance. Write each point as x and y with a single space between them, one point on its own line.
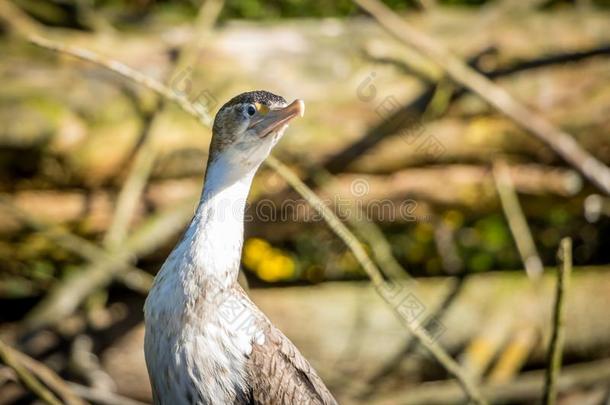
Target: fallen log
525 388
407 196
470 186
91 211
345 329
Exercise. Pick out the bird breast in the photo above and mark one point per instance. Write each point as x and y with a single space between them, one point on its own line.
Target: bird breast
196 350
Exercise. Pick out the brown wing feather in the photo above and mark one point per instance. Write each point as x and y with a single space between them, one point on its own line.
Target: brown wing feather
279 374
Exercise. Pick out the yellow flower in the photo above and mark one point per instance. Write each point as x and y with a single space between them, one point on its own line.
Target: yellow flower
277 266
268 263
255 251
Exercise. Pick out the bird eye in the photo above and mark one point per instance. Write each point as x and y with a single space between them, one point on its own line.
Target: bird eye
251 110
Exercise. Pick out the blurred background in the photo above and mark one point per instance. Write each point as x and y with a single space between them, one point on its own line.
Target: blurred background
461 208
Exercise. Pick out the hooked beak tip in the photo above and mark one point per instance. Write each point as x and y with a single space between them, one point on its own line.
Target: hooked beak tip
300 107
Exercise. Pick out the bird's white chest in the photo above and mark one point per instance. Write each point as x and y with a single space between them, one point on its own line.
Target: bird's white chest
196 350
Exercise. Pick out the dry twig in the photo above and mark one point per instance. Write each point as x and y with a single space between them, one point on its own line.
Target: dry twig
17 20
516 221
24 375
196 111
50 378
375 275
514 355
380 247
131 192
85 364
558 325
31 371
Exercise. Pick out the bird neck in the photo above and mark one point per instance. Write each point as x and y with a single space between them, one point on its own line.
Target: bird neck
216 232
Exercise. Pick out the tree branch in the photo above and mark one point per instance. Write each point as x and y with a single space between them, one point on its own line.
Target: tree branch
516 221
31 371
375 275
558 325
197 111
24 375
102 397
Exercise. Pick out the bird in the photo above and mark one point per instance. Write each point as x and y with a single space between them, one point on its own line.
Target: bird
205 341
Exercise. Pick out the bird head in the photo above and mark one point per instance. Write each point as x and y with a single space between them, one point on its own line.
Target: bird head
248 126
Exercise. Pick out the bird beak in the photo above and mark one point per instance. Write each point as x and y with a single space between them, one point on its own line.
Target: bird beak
277 118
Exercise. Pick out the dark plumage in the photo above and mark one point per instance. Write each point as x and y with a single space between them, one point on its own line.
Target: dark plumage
256 96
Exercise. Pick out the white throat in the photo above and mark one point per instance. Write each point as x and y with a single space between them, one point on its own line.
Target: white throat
215 236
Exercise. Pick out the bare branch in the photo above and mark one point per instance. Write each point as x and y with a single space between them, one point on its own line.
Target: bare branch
129 196
19 21
558 325
196 111
516 221
27 378
31 371
375 275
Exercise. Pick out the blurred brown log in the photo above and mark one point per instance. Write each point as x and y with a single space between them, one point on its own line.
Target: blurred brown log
91 211
526 388
346 329
466 185
406 195
456 184
323 320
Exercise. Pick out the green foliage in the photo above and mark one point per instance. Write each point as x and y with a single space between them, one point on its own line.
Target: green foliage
494 233
70 12
258 9
261 9
123 13
480 261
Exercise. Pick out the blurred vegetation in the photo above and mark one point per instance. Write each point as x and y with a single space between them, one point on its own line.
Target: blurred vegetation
69 131
125 12
482 238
